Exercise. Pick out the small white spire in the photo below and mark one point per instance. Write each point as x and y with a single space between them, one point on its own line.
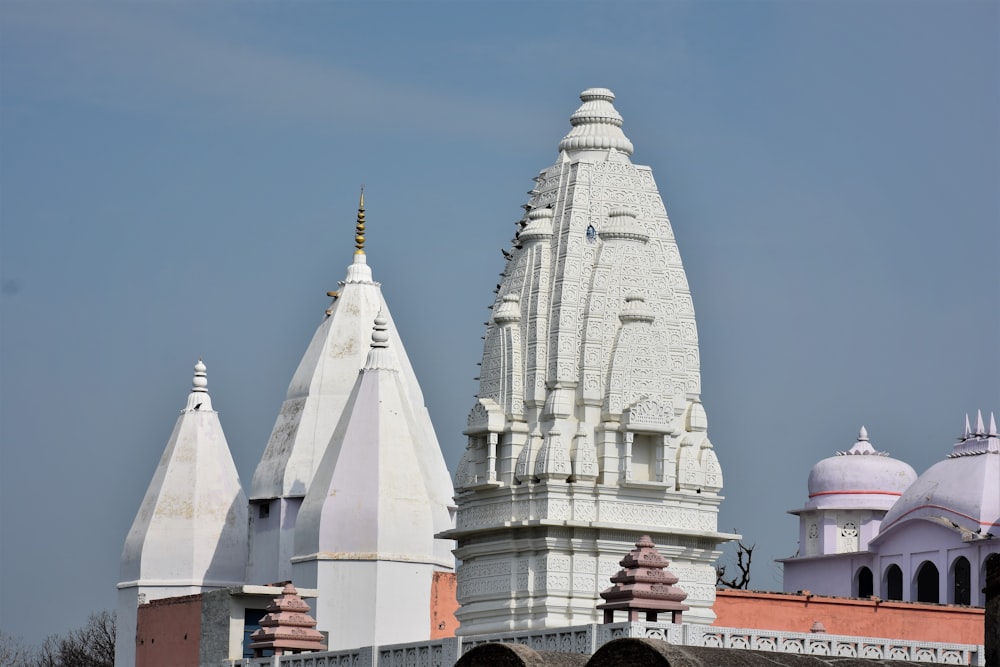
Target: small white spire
980 429
993 426
379 356
968 429
380 332
862 446
199 399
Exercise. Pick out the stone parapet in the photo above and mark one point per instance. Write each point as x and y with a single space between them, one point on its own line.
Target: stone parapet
586 639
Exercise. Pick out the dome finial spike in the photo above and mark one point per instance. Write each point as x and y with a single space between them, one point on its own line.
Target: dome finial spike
863 434
359 227
993 426
980 429
968 429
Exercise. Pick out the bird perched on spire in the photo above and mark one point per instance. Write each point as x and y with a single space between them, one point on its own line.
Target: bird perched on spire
506 255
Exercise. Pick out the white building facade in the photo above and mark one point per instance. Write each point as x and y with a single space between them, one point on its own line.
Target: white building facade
588 430
872 527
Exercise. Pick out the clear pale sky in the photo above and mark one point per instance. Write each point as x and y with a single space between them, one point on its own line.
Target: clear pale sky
180 180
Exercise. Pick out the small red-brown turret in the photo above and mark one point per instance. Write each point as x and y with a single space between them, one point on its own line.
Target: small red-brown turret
644 584
288 627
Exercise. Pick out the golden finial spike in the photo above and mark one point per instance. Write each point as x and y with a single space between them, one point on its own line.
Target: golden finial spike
359 228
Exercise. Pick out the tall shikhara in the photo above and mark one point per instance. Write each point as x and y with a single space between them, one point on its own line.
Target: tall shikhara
588 431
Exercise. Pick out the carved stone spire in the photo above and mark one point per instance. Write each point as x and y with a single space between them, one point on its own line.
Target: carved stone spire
590 371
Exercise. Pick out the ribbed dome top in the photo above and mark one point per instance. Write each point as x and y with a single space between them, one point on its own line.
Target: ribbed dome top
963 489
861 477
597 125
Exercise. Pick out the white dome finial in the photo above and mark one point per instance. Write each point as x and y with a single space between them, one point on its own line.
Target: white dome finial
380 332
200 381
980 429
199 399
968 429
379 356
993 426
597 125
863 446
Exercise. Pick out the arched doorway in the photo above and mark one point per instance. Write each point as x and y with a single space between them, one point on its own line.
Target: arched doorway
961 581
893 583
864 585
928 589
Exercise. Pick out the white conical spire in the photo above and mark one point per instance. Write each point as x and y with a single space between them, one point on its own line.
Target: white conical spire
366 527
316 398
190 534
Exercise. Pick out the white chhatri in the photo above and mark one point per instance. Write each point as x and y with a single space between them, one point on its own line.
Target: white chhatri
190 534
314 403
588 430
365 532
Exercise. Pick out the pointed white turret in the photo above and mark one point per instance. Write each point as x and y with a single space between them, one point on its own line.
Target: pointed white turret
365 532
190 534
588 431
313 406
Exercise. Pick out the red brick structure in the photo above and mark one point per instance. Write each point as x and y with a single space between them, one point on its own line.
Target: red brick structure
168 632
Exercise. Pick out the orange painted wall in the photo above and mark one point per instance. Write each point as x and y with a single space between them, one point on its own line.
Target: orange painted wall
846 616
168 632
444 604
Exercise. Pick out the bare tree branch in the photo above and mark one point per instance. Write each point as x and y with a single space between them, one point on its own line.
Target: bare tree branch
744 555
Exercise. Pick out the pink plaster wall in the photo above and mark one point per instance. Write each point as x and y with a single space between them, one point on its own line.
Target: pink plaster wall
846 616
444 604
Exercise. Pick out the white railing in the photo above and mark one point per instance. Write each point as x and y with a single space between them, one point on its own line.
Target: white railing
586 639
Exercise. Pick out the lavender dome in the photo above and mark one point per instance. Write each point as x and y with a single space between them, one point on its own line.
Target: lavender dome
861 477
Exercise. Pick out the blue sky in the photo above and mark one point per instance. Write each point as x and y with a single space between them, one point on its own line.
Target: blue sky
179 180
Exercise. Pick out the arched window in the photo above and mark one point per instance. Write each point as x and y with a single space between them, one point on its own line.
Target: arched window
864 584
961 581
927 583
893 583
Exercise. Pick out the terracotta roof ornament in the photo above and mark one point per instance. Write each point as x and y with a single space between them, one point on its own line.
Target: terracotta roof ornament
288 627
644 585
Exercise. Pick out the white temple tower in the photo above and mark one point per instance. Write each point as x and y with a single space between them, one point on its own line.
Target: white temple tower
588 431
313 406
190 534
365 533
